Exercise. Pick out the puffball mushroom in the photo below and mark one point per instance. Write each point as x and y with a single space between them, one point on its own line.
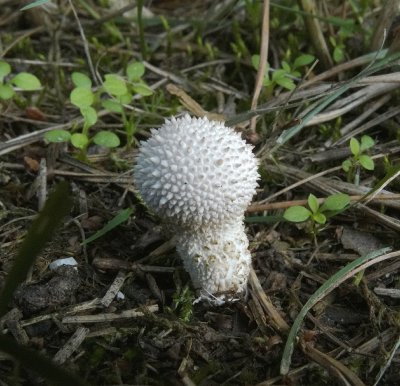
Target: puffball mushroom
200 176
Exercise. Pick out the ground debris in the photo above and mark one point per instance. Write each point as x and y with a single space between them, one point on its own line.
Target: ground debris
125 314
59 290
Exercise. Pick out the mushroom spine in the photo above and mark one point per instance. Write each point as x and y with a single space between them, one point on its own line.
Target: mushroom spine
200 176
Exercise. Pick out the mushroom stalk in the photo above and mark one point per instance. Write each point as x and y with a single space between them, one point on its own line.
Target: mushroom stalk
200 176
217 260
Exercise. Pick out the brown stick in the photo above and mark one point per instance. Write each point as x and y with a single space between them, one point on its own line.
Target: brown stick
263 62
118 264
315 32
287 204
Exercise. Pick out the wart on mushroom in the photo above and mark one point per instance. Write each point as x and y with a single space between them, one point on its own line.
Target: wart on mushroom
200 176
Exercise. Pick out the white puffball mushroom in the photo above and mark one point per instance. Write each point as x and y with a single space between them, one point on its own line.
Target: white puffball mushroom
200 176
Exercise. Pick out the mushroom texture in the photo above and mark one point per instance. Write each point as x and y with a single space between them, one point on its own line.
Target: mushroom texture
200 176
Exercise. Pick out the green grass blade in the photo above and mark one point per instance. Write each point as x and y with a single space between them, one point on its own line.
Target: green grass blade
41 230
122 216
142 40
34 4
289 133
334 281
36 362
263 219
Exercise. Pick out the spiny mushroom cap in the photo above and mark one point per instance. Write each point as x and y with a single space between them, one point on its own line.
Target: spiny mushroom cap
196 172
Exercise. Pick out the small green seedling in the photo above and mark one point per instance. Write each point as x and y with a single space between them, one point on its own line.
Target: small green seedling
84 98
23 81
284 76
115 92
183 303
359 158
317 213
122 94
346 30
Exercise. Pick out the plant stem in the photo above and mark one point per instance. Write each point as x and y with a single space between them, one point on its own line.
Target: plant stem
143 46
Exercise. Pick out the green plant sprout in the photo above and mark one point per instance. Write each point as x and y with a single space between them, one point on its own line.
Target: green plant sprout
115 92
284 76
317 213
347 29
183 303
23 80
351 166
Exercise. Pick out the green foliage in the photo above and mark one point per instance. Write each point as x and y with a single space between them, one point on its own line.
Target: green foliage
263 219
106 139
6 91
58 136
26 81
81 80
115 92
23 81
115 85
142 89
81 97
183 303
283 77
347 28
317 213
358 158
122 92
79 140
135 71
34 4
90 115
121 217
5 69
335 202
296 214
113 106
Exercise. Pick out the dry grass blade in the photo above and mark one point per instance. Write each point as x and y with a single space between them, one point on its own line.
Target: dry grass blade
113 289
395 348
315 33
263 61
71 345
330 187
336 368
35 136
350 103
348 65
276 319
191 104
388 12
85 43
117 264
110 317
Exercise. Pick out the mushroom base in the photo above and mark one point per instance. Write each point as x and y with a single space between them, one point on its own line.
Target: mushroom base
218 261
